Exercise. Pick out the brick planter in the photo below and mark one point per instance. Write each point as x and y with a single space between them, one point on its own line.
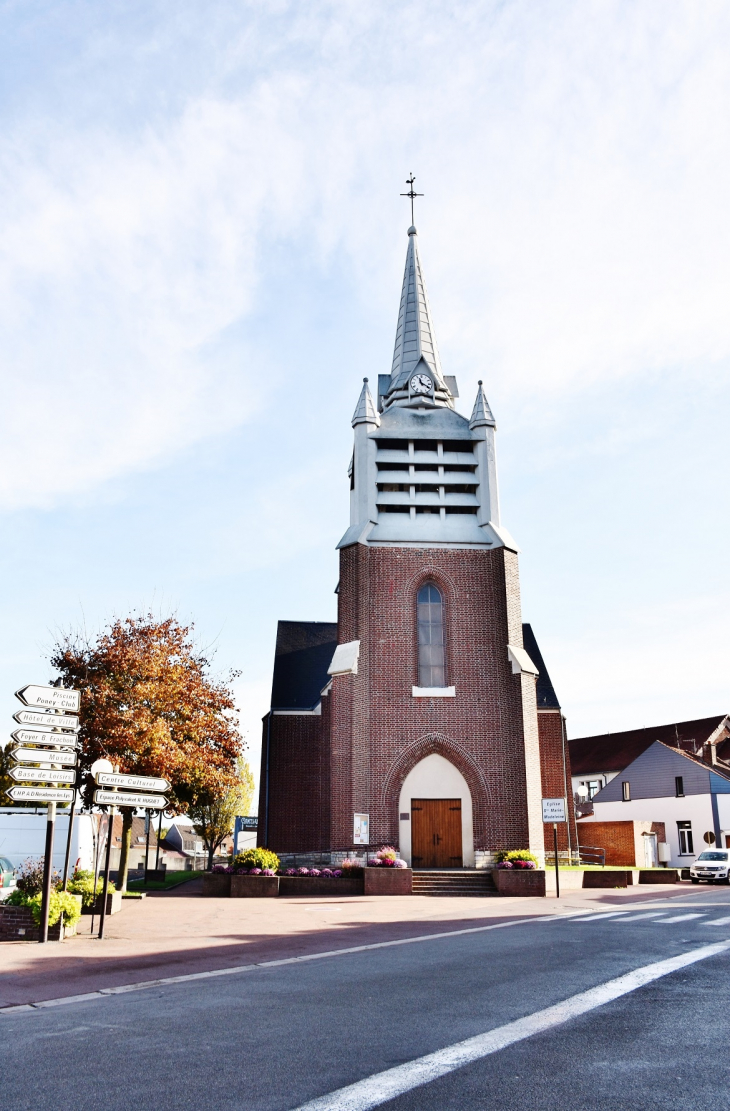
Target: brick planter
609 878
319 885
113 903
217 885
388 881
254 887
16 924
666 875
520 881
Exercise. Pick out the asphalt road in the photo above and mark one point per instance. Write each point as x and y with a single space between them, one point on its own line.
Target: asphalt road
278 1037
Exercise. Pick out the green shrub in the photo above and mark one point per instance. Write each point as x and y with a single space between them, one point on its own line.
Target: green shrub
82 884
516 854
257 858
60 901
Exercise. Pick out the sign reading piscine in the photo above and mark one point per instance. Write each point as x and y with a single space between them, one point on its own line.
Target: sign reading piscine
54 698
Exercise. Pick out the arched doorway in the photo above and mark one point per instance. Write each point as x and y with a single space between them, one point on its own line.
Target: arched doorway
436 823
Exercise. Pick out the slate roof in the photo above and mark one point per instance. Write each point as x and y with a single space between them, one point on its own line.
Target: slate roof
304 651
612 752
547 699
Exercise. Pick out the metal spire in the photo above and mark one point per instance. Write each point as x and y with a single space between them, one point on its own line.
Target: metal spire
411 194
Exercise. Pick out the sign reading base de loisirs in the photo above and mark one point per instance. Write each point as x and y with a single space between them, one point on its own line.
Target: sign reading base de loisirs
42 775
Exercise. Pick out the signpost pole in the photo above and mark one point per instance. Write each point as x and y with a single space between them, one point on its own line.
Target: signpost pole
71 819
148 823
107 866
557 873
47 871
159 835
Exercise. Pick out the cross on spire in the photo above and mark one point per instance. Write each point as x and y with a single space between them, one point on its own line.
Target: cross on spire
411 194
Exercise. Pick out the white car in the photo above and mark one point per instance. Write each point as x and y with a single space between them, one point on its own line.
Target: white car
711 866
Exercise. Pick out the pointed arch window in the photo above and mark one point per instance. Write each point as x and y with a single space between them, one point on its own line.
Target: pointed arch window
431 643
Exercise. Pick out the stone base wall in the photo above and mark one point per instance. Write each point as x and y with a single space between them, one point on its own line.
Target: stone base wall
254 887
319 885
388 881
17 924
526 882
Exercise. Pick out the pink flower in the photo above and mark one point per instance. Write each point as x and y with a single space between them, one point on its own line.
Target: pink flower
255 872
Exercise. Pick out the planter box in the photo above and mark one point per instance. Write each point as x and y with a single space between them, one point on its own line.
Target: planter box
520 881
113 903
217 885
609 877
254 887
666 875
388 881
16 924
155 875
319 885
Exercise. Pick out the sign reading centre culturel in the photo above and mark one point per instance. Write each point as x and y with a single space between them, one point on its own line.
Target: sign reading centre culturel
553 810
361 834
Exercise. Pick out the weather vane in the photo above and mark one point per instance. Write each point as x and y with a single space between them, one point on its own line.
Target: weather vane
411 194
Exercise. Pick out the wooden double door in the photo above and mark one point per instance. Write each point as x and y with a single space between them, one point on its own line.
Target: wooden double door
436 833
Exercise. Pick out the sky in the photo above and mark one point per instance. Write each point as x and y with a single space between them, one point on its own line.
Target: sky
202 248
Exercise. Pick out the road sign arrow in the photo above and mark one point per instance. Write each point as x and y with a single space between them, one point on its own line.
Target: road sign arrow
38 737
47 721
42 775
44 756
132 782
41 794
54 698
142 802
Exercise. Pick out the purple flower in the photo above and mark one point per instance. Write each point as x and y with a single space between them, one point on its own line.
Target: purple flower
337 873
255 872
505 864
399 864
218 868
314 872
327 872
290 872
242 871
302 871
268 872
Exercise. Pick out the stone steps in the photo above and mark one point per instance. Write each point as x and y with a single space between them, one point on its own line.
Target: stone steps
453 883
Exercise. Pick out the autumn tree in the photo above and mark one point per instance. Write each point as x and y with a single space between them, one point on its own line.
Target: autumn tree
150 705
214 816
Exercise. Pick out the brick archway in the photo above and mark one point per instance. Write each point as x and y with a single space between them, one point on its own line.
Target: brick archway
443 746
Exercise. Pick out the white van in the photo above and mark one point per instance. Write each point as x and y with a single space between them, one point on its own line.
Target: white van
712 865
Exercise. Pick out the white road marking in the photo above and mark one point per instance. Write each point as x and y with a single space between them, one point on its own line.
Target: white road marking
603 914
682 918
646 914
717 922
384 1086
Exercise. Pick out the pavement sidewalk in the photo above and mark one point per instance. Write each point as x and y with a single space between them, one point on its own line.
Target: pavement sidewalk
180 932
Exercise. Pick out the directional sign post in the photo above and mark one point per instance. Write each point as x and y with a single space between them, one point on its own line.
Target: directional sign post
56 710
47 720
42 775
41 794
138 801
553 810
133 782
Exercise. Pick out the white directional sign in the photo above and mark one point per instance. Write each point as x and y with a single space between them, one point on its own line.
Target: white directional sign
143 802
54 698
42 775
44 756
553 810
36 737
41 794
132 782
47 721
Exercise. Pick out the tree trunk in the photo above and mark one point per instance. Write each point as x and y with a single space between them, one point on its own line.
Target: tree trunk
124 852
211 851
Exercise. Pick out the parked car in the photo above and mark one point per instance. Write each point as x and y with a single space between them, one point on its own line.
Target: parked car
7 877
712 865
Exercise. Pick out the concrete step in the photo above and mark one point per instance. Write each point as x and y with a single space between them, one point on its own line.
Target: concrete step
453 883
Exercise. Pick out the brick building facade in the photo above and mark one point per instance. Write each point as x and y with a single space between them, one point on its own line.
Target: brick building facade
425 716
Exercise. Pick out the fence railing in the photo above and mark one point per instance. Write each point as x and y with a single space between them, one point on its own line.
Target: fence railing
592 855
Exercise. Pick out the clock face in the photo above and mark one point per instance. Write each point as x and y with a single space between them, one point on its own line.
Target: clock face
421 383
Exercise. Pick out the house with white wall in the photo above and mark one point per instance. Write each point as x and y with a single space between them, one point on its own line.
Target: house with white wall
667 785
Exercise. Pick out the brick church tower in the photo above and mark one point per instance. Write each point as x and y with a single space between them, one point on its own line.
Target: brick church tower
424 718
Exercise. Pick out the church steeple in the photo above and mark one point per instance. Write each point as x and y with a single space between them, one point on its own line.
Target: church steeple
416 351
365 411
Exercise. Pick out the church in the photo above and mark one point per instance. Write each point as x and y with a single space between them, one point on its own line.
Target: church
424 717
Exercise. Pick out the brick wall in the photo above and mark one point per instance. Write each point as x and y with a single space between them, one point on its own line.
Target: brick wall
617 838
16 924
555 776
297 748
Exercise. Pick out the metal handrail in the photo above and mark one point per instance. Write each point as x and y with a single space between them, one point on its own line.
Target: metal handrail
593 855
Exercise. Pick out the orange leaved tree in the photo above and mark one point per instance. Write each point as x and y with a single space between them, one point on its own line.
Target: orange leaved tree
150 705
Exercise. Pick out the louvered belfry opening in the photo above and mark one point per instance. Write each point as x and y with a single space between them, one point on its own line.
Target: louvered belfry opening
431 642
